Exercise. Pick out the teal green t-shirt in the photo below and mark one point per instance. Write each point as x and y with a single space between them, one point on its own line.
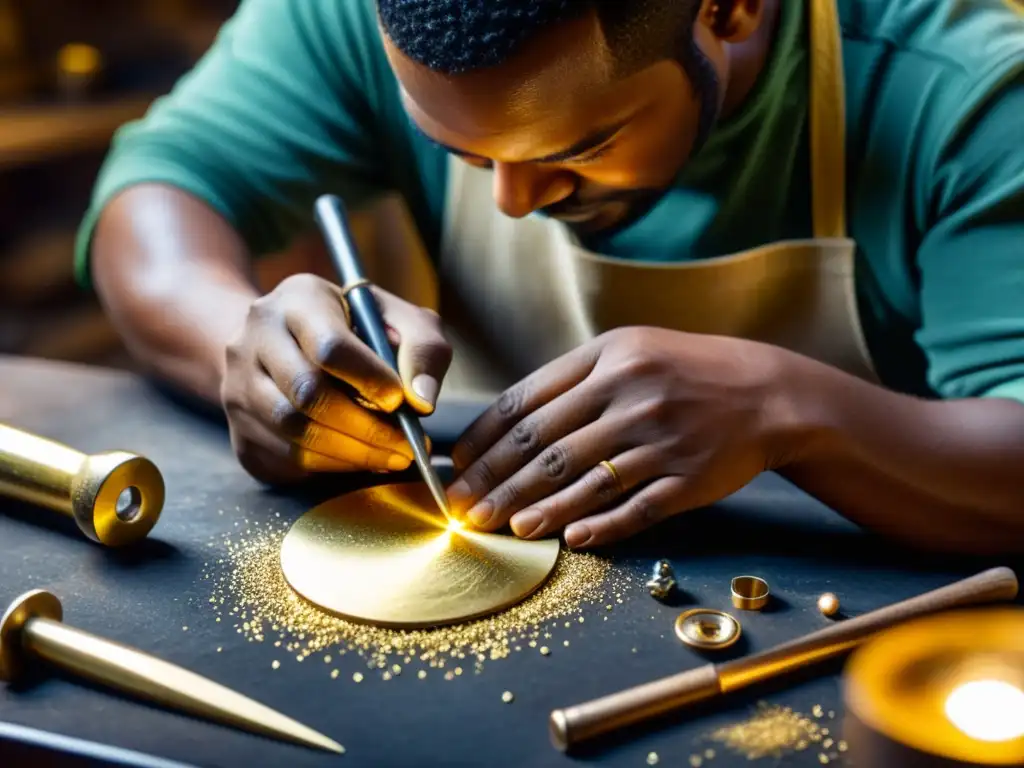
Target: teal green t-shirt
296 99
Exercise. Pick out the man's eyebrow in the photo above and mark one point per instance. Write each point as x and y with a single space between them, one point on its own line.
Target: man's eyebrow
592 141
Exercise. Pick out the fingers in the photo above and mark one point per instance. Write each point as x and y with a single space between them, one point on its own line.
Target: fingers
424 354
312 393
542 454
274 460
597 489
320 328
515 404
651 504
275 411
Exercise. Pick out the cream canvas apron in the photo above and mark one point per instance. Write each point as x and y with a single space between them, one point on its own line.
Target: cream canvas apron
517 293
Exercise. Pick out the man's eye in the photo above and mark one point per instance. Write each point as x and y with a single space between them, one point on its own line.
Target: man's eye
591 156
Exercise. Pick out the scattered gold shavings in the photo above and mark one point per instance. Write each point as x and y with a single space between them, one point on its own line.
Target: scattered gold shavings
385 676
275 664
334 674
358 677
421 674
770 731
396 669
545 651
184 629
249 590
823 758
817 711
565 643
842 746
652 758
826 743
507 697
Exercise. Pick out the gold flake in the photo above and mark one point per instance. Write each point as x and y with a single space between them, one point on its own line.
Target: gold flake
545 651
421 674
652 758
275 664
334 674
358 677
507 697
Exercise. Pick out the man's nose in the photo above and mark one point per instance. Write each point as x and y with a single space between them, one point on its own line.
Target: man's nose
522 188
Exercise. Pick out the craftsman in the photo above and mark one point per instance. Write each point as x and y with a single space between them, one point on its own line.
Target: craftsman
680 242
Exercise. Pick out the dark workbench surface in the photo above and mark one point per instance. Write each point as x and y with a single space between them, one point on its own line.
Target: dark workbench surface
145 597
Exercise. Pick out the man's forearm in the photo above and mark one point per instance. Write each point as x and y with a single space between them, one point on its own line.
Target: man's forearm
939 474
174 278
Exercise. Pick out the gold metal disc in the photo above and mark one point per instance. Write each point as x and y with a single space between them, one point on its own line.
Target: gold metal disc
707 628
387 556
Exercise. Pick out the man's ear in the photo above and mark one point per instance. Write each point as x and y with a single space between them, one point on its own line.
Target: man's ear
733 21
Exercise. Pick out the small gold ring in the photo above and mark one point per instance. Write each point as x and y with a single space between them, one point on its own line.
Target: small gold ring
348 287
615 476
749 593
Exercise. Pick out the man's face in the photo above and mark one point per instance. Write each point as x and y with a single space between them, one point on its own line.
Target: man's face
560 131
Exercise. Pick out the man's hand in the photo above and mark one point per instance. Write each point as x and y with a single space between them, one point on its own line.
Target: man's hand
685 420
304 394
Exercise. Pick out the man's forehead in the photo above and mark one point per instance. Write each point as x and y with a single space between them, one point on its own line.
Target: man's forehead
568 63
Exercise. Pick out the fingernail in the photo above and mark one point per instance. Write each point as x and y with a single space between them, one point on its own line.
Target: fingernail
576 535
397 463
425 386
458 493
480 515
526 523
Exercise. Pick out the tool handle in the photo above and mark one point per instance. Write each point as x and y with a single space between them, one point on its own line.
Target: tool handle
584 721
579 723
993 585
86 487
333 222
37 470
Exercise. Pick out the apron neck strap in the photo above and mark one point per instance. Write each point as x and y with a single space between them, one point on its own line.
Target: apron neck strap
828 122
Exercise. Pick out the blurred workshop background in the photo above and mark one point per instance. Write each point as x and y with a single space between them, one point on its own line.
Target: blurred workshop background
71 72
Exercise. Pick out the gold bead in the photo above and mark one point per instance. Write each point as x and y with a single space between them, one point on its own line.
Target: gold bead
828 604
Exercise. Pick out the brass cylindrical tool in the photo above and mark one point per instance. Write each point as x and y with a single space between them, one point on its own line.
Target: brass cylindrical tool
585 721
32 627
114 497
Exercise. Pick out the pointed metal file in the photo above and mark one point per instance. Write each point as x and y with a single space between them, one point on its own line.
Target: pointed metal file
32 627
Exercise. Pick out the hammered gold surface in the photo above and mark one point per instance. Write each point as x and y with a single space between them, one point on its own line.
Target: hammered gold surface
386 556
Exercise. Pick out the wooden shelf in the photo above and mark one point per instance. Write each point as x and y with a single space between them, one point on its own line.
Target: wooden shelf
30 135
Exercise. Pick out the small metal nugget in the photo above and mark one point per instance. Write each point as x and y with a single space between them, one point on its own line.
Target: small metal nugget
663 580
828 604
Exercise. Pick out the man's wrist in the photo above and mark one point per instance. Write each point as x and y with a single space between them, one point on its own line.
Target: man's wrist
801 404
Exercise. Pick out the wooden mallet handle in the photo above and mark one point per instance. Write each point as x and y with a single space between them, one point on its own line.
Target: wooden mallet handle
576 724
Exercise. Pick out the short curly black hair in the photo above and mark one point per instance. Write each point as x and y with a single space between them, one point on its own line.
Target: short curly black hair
457 36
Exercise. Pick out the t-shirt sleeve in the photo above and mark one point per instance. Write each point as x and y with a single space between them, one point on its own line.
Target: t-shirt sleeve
275 113
971 259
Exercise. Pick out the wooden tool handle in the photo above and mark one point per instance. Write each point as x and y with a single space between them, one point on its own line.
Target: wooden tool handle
584 721
576 724
994 585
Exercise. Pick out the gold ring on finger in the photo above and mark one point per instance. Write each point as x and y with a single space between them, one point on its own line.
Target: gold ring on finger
616 477
347 288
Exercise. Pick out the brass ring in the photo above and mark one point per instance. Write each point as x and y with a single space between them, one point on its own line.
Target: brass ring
348 287
749 593
615 475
